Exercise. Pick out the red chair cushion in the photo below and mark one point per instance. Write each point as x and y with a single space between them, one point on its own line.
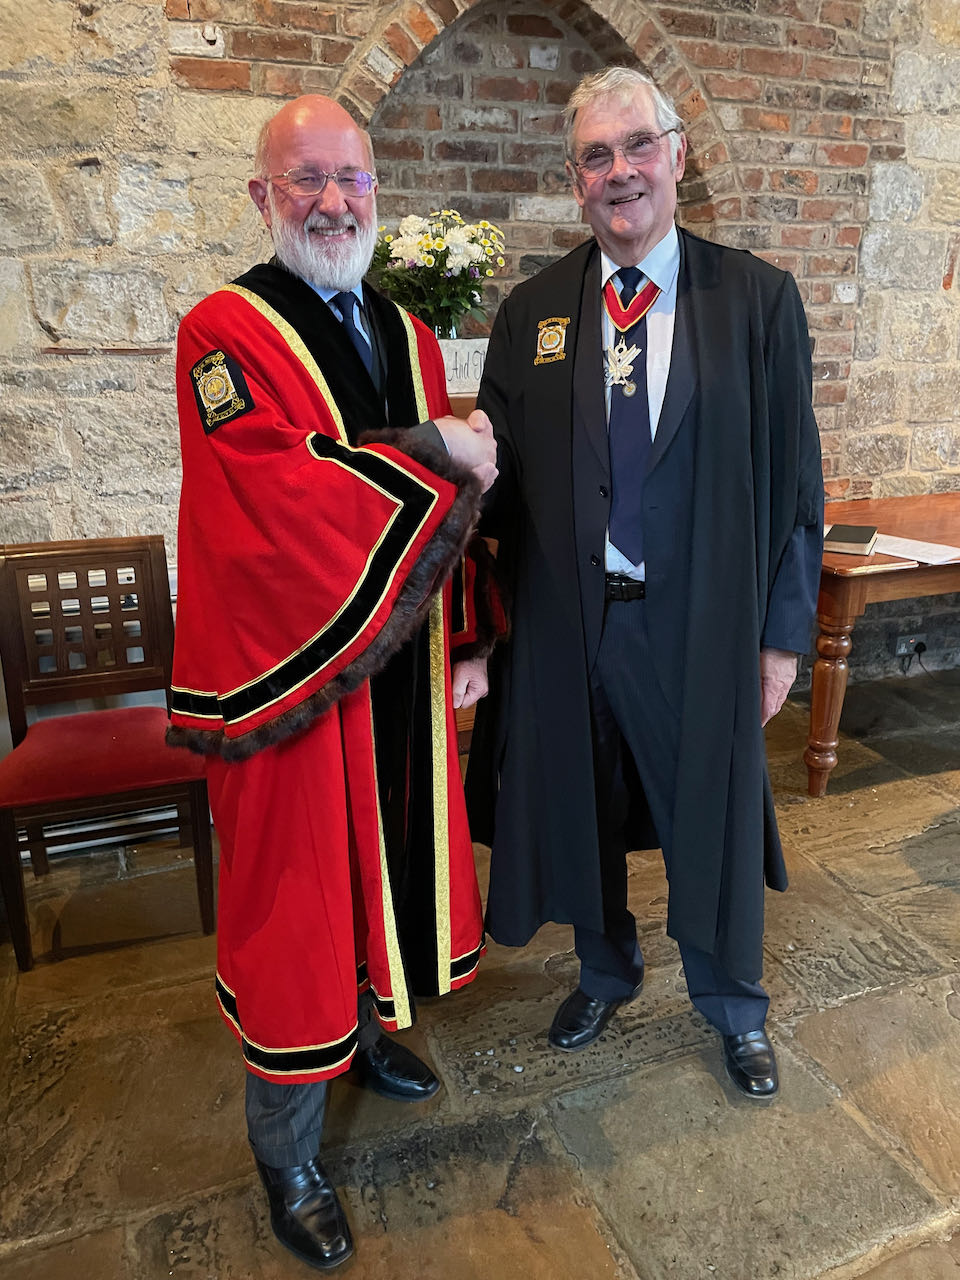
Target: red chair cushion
96 753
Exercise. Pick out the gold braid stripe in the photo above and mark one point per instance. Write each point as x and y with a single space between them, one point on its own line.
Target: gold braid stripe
296 345
398 981
441 816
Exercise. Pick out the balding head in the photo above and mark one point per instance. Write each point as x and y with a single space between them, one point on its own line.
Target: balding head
306 121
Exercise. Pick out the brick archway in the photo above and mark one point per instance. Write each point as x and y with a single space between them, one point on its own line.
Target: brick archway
407 30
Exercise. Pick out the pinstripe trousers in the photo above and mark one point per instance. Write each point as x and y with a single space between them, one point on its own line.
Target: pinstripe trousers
285 1121
631 715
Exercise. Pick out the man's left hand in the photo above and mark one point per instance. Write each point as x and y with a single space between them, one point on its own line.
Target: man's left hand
469 682
778 670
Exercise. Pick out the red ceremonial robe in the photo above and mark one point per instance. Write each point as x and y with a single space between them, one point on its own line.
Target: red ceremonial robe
312 667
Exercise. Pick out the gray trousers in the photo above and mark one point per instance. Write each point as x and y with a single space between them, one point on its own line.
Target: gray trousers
285 1121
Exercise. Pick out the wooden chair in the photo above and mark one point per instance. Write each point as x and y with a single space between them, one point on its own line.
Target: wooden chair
89 620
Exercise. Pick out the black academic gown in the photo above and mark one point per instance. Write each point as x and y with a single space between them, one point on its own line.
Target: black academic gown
733 490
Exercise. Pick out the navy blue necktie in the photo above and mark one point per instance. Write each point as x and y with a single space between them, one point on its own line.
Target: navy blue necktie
345 303
629 429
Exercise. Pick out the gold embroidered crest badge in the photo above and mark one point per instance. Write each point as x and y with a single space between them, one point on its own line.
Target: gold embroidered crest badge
220 389
551 339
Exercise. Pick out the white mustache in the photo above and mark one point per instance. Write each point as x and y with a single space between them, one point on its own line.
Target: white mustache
320 222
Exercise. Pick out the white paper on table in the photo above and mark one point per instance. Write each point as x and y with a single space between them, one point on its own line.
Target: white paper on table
926 552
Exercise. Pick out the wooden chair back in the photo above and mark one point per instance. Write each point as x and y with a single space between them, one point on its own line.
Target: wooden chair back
83 619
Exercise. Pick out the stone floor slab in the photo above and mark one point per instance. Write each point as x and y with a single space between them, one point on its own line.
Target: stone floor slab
832 945
113 1105
932 915
99 1256
933 755
932 856
457 1203
932 1261
701 1183
896 1057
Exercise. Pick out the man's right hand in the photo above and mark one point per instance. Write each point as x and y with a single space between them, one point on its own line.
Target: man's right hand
471 443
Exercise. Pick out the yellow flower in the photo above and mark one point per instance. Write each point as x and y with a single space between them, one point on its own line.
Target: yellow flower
388 239
500 262
429 260
489 272
438 245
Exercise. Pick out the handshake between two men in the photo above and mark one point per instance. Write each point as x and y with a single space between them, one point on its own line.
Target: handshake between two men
471 443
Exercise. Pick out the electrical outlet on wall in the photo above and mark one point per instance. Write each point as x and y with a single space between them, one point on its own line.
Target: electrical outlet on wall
907 645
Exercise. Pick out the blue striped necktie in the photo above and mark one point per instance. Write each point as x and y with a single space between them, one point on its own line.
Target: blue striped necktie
345 303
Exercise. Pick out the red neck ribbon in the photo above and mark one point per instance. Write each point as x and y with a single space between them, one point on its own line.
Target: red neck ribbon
625 318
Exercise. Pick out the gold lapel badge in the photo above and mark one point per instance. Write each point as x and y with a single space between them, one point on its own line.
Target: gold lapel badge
551 339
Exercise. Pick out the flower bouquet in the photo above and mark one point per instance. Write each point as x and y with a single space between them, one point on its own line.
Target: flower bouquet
433 267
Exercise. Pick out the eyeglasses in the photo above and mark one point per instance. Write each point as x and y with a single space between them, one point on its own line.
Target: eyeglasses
638 148
311 182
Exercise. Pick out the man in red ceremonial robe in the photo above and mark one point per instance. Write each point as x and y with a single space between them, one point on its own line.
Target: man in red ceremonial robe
328 497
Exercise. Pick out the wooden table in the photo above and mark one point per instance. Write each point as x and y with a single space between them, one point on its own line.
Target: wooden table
849 583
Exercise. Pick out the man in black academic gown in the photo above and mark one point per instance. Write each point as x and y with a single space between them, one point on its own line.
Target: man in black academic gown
659 512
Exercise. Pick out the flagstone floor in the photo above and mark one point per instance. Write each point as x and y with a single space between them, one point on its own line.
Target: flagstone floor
124 1154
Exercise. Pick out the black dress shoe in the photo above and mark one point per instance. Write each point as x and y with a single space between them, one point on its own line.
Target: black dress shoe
306 1215
581 1018
391 1070
751 1064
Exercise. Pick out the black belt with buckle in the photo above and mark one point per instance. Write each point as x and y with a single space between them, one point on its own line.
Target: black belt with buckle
617 587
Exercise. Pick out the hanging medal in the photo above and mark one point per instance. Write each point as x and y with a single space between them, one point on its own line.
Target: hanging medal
618 357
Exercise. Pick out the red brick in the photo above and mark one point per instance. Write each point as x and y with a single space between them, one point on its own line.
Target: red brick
829 393
568 239
505 180
888 151
823 125
803 180
446 10
880 130
271 46
279 82
533 26
772 62
368 91
647 39
841 13
692 107
177 9
505 89
401 43
741 88
407 115
549 122
299 17
682 22
833 70
334 53
785 261
704 53
559 91
388 148
752 179
208 73
848 237
826 210
419 23
797 237
851 155
767 121
836 488
811 37
835 344
743 30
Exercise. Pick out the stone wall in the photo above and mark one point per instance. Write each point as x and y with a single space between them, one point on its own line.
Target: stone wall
824 136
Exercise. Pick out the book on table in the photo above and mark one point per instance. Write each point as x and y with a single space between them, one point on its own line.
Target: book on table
852 539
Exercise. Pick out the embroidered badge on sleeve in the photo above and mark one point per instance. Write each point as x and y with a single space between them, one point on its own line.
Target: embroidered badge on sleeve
551 338
221 390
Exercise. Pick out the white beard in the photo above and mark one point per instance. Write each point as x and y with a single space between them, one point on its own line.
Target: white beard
326 264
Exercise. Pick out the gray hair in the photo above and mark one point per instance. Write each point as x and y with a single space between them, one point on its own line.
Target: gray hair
263 146
621 84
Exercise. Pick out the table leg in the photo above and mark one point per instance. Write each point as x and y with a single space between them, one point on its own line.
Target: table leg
826 702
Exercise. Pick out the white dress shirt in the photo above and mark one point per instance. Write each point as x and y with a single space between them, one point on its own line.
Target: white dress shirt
662 266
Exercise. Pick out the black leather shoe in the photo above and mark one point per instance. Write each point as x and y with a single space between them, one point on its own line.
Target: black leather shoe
306 1215
582 1018
391 1070
751 1064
